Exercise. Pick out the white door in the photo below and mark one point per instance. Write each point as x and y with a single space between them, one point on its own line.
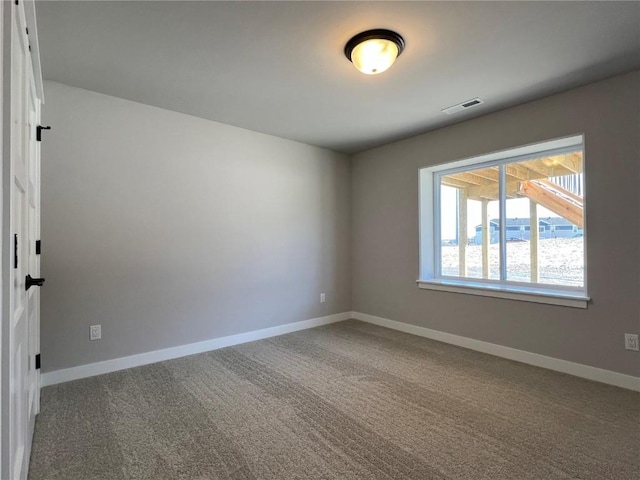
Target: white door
33 259
24 198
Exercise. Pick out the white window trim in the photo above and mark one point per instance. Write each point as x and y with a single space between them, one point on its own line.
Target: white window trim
429 216
510 292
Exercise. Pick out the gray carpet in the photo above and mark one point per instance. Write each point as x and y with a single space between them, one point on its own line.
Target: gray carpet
345 401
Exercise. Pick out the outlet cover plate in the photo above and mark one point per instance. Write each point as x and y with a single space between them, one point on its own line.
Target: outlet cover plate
631 342
95 332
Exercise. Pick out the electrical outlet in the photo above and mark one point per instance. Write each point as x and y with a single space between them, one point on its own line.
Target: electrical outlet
631 341
95 332
322 298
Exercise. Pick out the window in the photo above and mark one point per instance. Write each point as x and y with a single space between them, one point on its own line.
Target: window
507 224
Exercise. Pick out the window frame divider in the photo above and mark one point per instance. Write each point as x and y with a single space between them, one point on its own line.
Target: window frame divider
502 177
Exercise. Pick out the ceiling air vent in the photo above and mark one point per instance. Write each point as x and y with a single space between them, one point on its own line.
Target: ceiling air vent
462 106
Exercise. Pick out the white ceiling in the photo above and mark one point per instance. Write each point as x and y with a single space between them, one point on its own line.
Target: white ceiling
279 67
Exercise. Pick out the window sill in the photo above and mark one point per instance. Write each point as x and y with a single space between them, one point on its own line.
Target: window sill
536 295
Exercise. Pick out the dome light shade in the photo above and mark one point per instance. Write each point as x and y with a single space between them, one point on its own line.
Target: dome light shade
374 51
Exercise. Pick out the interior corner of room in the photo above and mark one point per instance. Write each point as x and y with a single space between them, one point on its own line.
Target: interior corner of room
173 225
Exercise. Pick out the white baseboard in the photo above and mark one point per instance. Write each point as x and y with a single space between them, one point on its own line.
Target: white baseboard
584 371
577 369
107 366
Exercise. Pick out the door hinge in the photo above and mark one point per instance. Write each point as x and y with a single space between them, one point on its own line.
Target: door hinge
15 250
39 132
29 47
38 247
38 362
27 29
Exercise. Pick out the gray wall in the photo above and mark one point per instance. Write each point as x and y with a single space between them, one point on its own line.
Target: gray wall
385 228
167 229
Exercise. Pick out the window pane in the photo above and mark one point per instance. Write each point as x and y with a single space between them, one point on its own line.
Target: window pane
549 192
519 238
465 198
450 258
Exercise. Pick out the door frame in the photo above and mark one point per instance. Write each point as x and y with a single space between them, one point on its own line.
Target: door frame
6 25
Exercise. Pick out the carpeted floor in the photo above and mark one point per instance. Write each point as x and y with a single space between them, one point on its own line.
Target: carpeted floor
345 401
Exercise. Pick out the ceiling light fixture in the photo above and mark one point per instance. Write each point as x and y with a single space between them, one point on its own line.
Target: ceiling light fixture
374 51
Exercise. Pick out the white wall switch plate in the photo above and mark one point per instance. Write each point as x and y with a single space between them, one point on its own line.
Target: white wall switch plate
631 341
95 332
322 298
